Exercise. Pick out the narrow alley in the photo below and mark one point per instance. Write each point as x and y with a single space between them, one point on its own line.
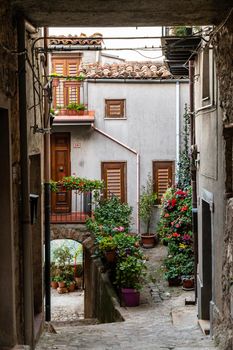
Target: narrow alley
162 321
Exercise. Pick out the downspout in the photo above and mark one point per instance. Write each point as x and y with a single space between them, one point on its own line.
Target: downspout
137 165
193 172
47 194
177 124
28 312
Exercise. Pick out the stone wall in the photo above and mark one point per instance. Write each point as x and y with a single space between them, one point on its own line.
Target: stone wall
223 48
222 323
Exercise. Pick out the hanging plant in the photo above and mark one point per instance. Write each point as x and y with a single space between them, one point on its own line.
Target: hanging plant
76 183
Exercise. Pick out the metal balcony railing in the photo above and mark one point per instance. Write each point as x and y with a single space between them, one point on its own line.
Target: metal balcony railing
70 206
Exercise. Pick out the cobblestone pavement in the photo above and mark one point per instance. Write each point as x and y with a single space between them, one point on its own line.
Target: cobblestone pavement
160 322
68 306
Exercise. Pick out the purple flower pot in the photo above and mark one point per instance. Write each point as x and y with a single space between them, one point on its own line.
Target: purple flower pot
130 296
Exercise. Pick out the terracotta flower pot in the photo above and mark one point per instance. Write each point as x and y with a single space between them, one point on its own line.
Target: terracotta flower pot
148 240
61 284
54 284
71 287
188 283
110 255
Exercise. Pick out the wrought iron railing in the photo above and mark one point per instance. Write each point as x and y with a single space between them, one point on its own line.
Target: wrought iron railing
71 206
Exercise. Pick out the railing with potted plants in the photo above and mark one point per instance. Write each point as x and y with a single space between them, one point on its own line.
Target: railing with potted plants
126 265
81 193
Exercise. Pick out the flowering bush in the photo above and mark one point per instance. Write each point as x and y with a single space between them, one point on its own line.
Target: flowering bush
175 230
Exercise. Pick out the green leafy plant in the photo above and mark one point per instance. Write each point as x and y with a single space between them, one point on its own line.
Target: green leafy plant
112 213
184 164
107 243
130 273
147 202
73 106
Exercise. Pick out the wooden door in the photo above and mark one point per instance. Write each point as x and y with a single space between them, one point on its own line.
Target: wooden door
60 159
114 176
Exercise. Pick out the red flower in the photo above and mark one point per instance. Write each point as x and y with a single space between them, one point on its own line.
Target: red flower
175 234
184 208
177 225
173 202
166 215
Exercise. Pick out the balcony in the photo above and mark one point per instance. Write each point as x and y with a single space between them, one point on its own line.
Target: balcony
70 207
179 45
67 108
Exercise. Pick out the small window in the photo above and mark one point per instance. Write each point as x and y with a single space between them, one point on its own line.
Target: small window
163 177
114 108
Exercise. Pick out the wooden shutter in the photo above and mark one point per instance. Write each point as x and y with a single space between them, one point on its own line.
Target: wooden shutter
68 90
163 177
114 108
114 175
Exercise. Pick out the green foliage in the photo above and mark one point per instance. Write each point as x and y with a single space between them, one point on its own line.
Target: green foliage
175 228
73 106
107 243
184 165
147 202
77 183
112 213
130 272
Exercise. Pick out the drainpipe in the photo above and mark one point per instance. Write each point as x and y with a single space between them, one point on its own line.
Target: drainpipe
193 172
47 194
28 317
137 172
177 124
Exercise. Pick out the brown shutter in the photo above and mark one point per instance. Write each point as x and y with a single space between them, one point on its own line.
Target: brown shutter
114 108
113 175
68 90
163 177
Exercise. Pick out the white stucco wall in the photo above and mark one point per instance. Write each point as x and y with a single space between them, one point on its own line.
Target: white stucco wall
149 128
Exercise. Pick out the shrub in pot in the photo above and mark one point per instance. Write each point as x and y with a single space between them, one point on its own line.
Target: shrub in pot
146 205
129 276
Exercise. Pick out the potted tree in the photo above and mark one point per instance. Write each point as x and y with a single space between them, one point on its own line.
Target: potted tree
129 277
146 205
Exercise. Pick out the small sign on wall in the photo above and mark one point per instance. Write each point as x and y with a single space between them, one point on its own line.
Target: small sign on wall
77 145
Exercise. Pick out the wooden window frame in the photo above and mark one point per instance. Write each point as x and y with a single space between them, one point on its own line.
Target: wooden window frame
113 101
123 166
65 61
159 164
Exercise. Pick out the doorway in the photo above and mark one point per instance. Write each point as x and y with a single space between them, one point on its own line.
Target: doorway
60 167
206 293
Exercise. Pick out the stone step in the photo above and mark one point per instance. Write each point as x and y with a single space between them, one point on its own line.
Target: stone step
80 322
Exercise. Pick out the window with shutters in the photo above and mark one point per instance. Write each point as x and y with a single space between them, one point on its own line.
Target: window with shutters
68 90
163 177
114 176
114 108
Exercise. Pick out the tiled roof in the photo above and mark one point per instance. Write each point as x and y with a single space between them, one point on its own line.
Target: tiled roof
128 70
82 39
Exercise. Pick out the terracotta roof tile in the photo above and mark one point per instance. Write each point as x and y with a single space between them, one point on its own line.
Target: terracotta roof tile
82 39
127 70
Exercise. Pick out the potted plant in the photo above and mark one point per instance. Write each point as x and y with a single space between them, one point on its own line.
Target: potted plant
129 277
188 275
74 108
107 246
146 205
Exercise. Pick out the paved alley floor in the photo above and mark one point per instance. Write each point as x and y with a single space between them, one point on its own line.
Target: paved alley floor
162 321
67 307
